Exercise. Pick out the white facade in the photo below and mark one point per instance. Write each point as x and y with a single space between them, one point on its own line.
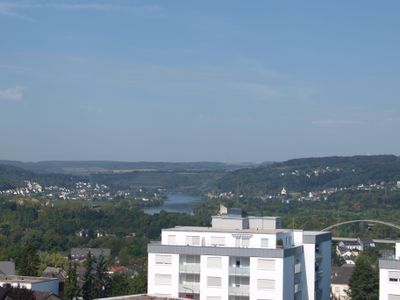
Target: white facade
389 277
240 258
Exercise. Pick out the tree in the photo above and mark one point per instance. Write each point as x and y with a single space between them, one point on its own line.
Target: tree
364 281
88 291
28 262
139 283
102 282
72 290
121 284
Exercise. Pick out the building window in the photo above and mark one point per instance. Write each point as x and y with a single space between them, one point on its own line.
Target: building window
163 259
265 284
213 281
264 243
394 276
214 262
162 279
297 267
266 264
193 240
217 241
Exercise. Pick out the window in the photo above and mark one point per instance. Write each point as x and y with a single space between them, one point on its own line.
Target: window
163 259
217 241
245 242
213 297
162 279
266 264
214 262
171 240
213 281
297 267
193 240
265 284
264 243
394 276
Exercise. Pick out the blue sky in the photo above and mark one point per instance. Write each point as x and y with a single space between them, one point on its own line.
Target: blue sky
229 81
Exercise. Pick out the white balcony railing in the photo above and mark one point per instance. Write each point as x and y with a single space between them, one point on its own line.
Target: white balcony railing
189 287
239 271
189 268
243 290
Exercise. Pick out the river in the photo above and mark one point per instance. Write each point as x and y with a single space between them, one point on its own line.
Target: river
175 203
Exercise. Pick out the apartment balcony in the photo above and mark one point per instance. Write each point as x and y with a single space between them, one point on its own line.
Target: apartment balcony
189 268
189 287
242 290
239 271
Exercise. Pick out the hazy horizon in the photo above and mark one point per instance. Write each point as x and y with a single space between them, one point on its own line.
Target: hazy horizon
182 81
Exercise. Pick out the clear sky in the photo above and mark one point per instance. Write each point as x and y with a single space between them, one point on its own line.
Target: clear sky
232 81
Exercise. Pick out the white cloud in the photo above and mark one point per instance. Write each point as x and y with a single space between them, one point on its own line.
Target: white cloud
12 94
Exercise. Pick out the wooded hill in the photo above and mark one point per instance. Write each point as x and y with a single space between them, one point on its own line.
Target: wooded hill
312 174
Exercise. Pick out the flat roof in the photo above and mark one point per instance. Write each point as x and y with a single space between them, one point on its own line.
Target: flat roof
24 279
223 230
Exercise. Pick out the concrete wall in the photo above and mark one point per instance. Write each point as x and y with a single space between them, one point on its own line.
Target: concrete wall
172 269
223 272
386 287
325 265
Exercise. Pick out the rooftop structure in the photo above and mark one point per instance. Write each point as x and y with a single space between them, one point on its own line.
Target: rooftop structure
41 284
240 257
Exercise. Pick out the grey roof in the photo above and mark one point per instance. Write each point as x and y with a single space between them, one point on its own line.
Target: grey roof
55 272
96 252
366 240
341 275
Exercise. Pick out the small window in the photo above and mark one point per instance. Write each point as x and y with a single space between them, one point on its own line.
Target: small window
213 281
394 276
193 240
213 297
162 279
214 262
163 259
217 241
265 284
266 264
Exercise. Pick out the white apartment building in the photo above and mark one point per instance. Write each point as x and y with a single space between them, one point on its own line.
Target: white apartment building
240 258
389 276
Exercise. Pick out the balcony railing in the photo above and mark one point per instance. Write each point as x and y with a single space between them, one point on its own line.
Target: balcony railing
189 268
243 290
189 287
239 271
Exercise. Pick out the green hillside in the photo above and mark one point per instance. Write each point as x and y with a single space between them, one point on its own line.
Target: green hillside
312 173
